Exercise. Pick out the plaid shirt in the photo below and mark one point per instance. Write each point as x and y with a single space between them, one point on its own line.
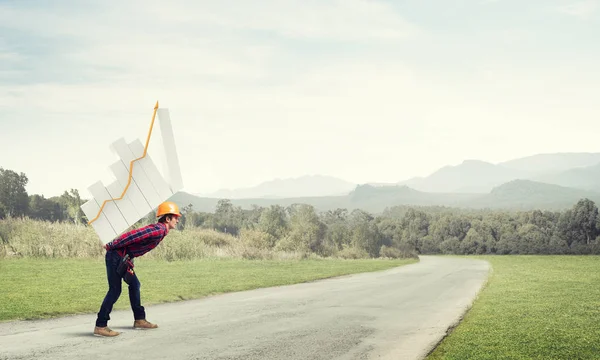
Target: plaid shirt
139 241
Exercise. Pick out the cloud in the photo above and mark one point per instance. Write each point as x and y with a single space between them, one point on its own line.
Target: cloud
581 9
339 20
276 89
186 41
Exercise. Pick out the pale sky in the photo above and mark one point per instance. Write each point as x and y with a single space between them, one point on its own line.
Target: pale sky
257 90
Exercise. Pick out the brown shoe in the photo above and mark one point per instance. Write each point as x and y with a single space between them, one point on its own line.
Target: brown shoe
143 324
105 331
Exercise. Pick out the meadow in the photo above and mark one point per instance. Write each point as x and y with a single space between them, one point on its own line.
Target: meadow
532 307
53 269
42 288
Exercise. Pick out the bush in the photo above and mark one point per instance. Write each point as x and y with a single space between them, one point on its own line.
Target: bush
181 245
408 251
390 252
210 237
42 239
24 237
405 251
257 239
351 252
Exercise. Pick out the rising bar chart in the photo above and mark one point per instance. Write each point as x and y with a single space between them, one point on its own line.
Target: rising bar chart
138 186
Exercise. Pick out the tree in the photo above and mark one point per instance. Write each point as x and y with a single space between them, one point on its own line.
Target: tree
72 205
578 225
228 218
337 232
306 230
416 226
185 211
273 221
13 195
585 217
45 209
532 240
365 235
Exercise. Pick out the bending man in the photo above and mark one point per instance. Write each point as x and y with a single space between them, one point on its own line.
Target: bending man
134 243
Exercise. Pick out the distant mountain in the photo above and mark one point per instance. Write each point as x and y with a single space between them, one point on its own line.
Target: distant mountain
366 197
513 195
577 170
376 199
471 176
528 195
585 178
544 181
555 162
316 185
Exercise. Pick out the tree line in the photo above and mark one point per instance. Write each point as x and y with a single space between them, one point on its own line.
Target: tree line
16 202
425 230
396 231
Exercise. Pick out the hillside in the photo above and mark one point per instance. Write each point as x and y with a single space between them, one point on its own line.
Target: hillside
471 176
376 199
552 163
545 181
586 178
365 197
578 170
516 195
528 195
315 185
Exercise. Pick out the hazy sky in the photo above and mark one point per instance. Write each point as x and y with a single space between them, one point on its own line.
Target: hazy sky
257 90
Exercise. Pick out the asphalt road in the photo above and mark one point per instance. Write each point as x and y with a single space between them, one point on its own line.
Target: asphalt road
400 313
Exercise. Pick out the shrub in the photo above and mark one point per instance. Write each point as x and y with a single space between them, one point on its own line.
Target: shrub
351 252
257 239
404 251
30 238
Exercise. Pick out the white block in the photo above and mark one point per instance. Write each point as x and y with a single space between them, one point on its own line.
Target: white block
159 183
125 206
166 129
112 212
139 175
134 193
101 225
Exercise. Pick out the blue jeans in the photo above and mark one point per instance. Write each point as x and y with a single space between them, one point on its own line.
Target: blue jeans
112 260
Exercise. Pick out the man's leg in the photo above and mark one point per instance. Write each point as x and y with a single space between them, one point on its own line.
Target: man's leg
135 298
114 291
139 313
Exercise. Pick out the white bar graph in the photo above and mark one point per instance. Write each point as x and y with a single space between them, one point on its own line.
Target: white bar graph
121 172
117 206
160 185
101 225
174 171
112 212
125 206
142 180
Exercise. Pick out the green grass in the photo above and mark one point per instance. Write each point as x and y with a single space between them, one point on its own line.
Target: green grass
533 307
41 288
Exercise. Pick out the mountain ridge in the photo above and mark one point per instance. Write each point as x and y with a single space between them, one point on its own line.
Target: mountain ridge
513 195
306 185
473 176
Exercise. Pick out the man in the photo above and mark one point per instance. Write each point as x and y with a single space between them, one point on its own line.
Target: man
134 243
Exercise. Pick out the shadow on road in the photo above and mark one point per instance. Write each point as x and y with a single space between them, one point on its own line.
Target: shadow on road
81 334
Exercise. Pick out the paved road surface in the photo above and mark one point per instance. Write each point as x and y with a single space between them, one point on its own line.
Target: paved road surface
394 314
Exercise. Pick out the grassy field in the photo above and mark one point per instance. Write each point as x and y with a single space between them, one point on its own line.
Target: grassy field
41 288
533 307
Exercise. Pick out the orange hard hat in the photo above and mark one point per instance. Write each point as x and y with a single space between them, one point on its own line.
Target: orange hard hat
168 207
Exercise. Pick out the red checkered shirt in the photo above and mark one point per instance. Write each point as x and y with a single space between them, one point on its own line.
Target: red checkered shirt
139 241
